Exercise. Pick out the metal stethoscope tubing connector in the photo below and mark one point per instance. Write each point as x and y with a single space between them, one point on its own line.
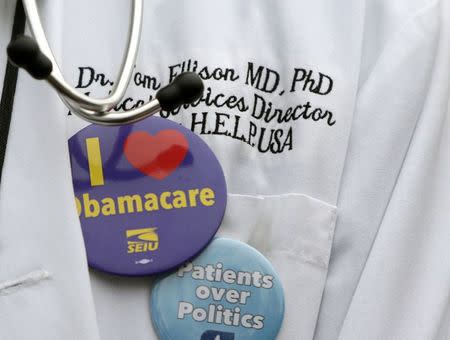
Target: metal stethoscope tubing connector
36 56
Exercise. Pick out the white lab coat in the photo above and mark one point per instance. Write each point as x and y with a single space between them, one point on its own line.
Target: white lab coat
367 184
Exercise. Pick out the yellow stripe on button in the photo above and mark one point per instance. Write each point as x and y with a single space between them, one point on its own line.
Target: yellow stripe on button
95 161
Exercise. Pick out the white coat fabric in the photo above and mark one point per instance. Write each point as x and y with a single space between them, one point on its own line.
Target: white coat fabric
351 205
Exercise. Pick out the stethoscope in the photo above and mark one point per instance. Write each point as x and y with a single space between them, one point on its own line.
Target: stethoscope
35 56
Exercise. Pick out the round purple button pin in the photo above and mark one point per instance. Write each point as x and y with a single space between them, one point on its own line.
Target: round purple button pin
149 195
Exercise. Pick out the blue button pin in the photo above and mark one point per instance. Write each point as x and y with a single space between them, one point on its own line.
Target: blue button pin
230 291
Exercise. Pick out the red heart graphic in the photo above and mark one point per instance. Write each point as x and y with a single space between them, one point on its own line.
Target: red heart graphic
156 156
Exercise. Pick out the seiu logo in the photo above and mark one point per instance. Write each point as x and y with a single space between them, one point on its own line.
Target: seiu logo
216 335
142 240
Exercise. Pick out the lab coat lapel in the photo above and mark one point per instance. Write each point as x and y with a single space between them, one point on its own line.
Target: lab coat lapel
44 281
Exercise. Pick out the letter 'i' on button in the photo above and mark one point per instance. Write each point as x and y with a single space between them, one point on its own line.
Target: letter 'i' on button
95 161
